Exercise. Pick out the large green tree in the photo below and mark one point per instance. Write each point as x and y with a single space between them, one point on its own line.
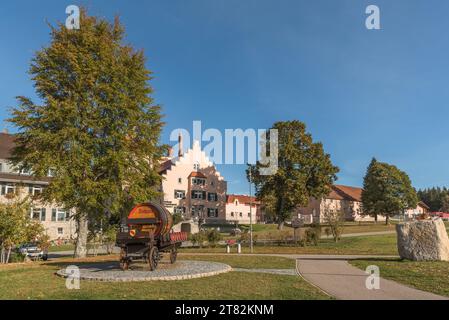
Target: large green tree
304 171
96 128
387 191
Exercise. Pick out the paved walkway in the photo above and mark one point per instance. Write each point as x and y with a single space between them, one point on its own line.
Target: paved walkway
341 280
336 277
284 272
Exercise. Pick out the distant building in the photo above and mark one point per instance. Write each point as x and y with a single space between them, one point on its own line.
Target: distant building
238 209
56 220
192 186
349 200
420 209
340 198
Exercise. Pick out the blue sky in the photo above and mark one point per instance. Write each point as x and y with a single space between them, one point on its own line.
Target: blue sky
249 63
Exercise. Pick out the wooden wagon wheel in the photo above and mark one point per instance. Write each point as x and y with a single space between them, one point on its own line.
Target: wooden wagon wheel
153 258
124 262
173 255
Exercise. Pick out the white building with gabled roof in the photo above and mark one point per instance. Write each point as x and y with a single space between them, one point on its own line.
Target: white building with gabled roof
192 186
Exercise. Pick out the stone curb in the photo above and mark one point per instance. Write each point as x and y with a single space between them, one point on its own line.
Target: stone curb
225 268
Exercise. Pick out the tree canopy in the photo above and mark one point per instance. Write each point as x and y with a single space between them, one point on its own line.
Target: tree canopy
304 171
97 128
387 191
436 198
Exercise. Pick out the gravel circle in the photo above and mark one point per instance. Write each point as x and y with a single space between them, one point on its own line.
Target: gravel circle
181 270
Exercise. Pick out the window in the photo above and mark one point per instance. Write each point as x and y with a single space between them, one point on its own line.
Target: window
212 196
1 167
60 231
180 194
197 194
179 180
26 172
197 210
196 166
8 188
236 202
35 189
241 215
59 215
180 210
198 181
212 212
249 215
232 214
39 214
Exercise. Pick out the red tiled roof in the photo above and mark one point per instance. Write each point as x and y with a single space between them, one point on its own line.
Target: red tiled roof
339 192
423 205
6 145
197 174
230 198
164 166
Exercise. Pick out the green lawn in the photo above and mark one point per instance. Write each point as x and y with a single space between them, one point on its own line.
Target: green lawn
38 281
270 231
375 245
65 247
246 262
427 276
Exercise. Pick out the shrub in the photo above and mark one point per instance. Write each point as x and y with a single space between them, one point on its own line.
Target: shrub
213 236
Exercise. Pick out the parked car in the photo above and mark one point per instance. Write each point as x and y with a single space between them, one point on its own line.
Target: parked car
33 252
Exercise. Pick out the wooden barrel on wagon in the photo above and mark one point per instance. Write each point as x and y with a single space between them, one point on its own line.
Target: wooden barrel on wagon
150 218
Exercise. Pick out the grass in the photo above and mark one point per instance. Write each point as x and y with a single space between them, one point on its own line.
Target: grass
38 281
427 276
246 262
65 247
270 231
366 245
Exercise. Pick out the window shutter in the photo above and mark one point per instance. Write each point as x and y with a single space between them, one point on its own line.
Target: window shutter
53 214
43 214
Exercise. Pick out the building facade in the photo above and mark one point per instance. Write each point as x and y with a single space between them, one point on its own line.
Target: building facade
349 200
340 198
192 186
421 209
242 209
55 219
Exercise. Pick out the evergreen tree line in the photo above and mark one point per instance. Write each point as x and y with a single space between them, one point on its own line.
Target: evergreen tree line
436 198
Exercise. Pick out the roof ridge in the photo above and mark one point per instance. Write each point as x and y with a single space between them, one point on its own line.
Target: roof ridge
343 193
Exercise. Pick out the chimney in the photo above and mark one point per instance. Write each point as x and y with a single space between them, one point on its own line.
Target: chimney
180 145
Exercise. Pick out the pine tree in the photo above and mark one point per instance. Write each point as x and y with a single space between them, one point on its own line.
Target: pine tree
387 191
304 171
97 128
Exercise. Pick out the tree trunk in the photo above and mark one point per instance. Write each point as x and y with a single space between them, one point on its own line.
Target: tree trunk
2 255
375 218
8 255
387 220
81 237
281 225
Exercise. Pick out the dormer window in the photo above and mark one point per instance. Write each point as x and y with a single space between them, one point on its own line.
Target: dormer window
236 202
198 181
196 166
